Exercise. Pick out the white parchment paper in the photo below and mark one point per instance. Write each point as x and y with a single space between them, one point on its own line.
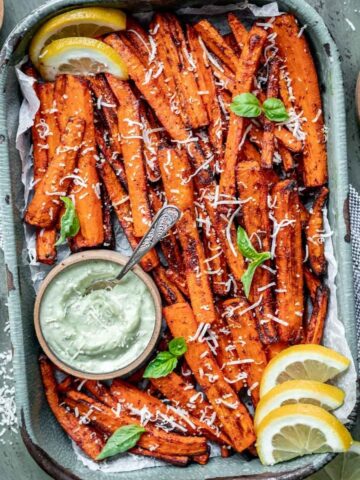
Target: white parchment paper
334 335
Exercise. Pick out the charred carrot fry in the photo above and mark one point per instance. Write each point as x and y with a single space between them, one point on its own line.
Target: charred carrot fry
179 191
247 67
232 414
46 138
131 143
314 234
208 88
113 159
312 283
121 205
169 244
109 240
184 72
289 262
135 398
169 291
152 142
250 153
284 89
154 95
231 41
239 31
184 395
226 355
253 187
304 215
86 186
245 337
106 102
90 441
45 205
299 63
268 140
216 43
106 419
287 139
286 157
315 326
178 279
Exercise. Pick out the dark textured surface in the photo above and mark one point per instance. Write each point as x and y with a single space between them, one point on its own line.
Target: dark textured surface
15 462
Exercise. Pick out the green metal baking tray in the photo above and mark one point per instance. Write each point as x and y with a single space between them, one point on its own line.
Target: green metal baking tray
42 435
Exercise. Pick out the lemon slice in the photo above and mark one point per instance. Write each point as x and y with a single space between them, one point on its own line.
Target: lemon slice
295 430
80 56
82 22
299 391
303 362
355 447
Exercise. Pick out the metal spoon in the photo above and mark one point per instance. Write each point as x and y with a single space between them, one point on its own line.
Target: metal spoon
162 223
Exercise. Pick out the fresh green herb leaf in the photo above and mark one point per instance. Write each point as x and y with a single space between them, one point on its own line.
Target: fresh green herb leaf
162 365
275 110
177 346
246 105
244 245
69 223
247 277
121 441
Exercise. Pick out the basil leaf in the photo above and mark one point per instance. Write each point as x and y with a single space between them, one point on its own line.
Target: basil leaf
246 105
177 346
244 245
275 110
121 441
162 365
247 277
69 223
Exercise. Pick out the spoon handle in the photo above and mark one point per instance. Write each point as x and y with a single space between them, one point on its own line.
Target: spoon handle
163 221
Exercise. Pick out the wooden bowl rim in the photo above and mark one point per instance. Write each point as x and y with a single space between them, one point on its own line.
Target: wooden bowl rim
121 260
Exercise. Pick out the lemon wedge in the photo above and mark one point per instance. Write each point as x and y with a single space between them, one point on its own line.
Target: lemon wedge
345 466
299 391
303 362
82 22
80 56
295 430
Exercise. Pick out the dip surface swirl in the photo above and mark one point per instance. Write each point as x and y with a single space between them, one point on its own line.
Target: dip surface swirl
104 330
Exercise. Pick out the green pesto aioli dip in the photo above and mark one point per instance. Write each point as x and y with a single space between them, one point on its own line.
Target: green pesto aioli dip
102 331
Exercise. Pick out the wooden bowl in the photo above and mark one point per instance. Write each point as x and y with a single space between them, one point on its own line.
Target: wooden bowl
121 260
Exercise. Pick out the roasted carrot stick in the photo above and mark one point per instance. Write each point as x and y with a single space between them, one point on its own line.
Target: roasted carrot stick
233 415
121 205
226 355
184 72
246 69
268 140
285 95
106 103
107 420
133 398
88 439
315 326
286 157
184 395
289 261
86 186
312 283
253 187
207 86
169 244
245 337
45 205
179 191
131 143
238 30
152 141
46 138
169 291
299 63
314 234
154 95
215 42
